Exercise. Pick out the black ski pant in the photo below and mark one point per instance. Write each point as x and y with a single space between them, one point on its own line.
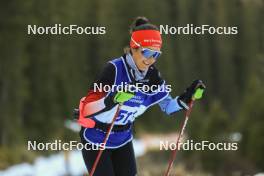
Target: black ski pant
113 162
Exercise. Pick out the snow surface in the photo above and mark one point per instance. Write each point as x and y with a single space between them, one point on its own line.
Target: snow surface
55 165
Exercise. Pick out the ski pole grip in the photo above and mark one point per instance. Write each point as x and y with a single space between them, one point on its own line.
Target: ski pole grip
121 97
198 93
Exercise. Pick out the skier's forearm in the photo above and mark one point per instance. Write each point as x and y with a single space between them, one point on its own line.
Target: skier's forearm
93 103
97 102
170 105
93 107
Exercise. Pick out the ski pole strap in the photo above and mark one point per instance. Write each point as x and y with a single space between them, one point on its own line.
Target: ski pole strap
184 105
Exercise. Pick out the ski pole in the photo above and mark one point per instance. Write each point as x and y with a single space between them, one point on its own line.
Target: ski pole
119 98
197 95
105 140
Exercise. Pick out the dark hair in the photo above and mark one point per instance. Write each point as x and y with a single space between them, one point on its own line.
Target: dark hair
140 23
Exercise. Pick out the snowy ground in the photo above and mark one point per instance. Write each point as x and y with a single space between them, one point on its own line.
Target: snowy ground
56 164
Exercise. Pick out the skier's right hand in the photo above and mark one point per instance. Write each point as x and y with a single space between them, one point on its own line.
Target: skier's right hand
118 98
121 97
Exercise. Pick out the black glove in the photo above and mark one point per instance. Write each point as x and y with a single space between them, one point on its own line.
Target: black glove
185 98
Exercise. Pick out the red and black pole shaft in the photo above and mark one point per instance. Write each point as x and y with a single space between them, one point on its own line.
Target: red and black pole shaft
183 125
199 89
104 142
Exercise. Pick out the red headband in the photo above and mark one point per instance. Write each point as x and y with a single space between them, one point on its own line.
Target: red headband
146 38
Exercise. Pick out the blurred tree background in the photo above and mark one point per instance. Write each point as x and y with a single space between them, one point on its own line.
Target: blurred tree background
42 77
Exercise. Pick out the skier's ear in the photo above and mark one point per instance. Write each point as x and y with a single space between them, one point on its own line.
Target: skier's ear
134 50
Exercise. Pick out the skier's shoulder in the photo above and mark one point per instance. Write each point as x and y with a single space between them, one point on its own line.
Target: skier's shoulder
113 65
108 69
106 76
115 61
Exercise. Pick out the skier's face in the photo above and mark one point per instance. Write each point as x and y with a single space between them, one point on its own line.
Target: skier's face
142 62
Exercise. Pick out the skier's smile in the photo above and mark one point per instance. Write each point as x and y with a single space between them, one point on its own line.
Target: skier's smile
142 62
107 116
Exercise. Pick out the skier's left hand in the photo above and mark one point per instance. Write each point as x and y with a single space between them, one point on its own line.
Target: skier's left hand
188 94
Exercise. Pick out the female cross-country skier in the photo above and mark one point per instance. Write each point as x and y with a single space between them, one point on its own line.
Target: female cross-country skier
98 108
